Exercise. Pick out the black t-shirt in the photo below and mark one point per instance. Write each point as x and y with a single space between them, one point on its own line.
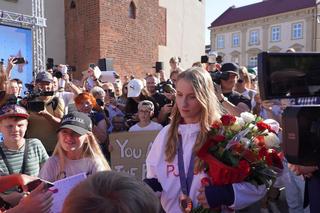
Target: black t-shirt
132 106
160 99
236 98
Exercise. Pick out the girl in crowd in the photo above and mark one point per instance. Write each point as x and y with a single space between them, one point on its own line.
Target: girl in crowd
243 85
86 103
173 152
77 150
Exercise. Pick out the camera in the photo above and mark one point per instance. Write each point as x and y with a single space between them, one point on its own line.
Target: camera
30 102
290 76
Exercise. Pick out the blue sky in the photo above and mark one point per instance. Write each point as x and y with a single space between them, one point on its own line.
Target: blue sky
215 8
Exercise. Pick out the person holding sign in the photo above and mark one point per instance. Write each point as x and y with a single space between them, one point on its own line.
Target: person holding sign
77 150
172 165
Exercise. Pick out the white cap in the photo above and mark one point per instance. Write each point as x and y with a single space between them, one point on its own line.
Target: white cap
134 88
275 126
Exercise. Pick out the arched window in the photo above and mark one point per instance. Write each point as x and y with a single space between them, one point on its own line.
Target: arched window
72 4
132 10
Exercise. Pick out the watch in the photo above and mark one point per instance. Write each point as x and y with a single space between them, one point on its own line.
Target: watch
223 99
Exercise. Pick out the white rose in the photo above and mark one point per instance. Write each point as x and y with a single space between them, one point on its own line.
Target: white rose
237 126
271 140
248 117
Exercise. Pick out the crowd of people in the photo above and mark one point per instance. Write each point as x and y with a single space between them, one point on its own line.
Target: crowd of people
62 129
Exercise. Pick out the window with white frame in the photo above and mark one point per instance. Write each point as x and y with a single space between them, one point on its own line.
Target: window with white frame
254 37
235 39
297 30
220 42
275 33
253 61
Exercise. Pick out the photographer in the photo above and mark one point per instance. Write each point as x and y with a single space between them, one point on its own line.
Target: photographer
50 116
163 94
233 102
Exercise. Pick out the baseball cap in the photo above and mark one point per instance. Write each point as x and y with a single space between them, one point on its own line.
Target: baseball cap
13 110
230 67
134 88
44 77
77 122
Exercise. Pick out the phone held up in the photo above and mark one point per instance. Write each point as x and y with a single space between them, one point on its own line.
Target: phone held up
19 61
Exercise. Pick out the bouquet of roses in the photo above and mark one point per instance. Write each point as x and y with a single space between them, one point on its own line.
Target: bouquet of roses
240 149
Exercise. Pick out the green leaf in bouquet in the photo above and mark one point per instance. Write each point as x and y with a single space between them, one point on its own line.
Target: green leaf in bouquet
229 159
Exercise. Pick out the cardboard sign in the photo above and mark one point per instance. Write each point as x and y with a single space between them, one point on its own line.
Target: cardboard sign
130 150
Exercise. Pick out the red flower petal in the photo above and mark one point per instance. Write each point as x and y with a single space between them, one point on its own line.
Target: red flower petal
228 120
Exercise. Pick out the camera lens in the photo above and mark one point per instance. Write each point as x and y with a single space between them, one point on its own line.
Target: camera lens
240 81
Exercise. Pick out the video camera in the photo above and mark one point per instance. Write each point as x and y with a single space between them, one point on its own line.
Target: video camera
291 76
30 102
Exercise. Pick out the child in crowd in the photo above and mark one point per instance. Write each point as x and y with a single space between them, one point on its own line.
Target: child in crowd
76 151
145 112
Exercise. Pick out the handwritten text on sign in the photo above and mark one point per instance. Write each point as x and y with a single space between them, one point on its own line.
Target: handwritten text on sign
130 150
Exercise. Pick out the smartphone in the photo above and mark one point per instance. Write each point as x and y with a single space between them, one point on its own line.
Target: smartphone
19 61
34 184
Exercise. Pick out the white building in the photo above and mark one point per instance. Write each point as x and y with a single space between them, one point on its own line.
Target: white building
239 34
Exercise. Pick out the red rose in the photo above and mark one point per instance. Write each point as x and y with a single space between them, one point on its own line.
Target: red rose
218 138
274 158
259 140
262 126
249 156
228 120
237 148
216 125
263 152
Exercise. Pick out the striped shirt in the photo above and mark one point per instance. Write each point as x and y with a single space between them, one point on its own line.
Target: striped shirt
36 156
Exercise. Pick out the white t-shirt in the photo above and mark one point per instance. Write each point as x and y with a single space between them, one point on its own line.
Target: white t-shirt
51 172
167 173
152 126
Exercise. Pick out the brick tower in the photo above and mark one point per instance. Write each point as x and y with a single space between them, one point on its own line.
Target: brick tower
128 31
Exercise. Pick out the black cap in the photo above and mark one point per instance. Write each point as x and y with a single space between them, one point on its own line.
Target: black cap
230 67
44 77
76 121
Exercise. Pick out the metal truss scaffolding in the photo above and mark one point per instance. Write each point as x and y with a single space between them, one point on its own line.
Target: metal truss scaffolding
37 23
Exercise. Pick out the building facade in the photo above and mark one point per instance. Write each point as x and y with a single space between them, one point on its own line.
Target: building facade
134 34
239 34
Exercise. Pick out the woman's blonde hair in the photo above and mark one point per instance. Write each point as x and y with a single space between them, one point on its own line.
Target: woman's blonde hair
210 111
90 149
243 70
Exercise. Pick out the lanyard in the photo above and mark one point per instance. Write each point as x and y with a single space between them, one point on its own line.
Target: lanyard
23 166
185 182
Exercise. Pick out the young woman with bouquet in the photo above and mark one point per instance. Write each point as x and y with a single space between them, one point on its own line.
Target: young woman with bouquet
173 167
